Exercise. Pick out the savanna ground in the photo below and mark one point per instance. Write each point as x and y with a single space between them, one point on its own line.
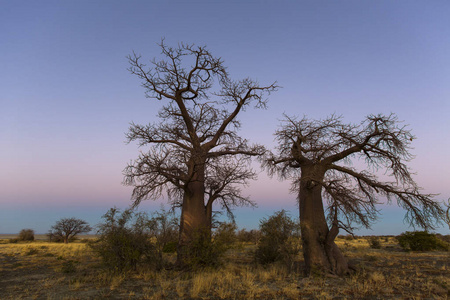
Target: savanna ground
43 270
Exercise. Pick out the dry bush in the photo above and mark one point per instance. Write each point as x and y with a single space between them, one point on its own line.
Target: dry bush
129 239
374 242
279 239
204 251
26 235
123 246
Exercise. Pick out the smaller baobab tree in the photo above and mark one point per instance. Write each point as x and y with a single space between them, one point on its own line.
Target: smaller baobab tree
317 156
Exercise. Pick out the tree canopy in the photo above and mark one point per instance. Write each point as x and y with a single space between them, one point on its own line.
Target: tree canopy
318 156
195 155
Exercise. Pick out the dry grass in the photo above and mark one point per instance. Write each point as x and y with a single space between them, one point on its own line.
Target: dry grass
41 270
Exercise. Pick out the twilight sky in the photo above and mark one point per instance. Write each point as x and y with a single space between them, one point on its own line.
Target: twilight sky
66 98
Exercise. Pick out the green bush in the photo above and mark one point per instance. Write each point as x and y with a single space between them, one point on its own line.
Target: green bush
26 235
129 239
279 239
121 245
13 241
421 241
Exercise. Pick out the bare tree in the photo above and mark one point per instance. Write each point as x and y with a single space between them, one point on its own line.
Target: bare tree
223 178
317 155
67 228
197 128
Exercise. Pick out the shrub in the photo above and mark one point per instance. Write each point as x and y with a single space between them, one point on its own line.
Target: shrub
163 229
13 241
224 235
121 245
206 251
421 241
279 239
445 238
129 239
26 235
348 237
374 242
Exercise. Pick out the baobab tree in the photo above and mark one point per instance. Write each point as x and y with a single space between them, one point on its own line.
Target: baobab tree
317 155
197 127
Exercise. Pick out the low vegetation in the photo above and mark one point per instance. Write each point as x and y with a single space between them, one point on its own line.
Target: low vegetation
279 241
421 241
47 270
26 235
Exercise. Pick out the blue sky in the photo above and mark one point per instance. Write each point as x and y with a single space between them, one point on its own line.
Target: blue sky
66 97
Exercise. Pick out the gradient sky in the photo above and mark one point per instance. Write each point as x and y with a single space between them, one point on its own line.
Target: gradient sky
66 98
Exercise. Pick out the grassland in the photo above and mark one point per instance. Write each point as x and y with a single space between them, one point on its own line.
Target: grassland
43 270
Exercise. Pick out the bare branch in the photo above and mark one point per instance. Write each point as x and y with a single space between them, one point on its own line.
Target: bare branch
308 151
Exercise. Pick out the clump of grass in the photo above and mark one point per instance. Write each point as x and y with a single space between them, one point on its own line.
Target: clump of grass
30 251
68 267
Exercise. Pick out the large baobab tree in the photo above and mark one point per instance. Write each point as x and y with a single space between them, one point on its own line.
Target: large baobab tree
317 155
197 129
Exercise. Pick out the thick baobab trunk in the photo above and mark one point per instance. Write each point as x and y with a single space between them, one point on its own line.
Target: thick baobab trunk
194 220
320 252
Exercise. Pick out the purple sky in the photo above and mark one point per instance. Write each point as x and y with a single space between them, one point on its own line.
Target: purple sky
66 98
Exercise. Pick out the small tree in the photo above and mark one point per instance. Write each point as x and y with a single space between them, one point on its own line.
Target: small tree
26 235
317 156
67 228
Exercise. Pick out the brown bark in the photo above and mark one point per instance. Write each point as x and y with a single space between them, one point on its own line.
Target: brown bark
194 218
320 252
